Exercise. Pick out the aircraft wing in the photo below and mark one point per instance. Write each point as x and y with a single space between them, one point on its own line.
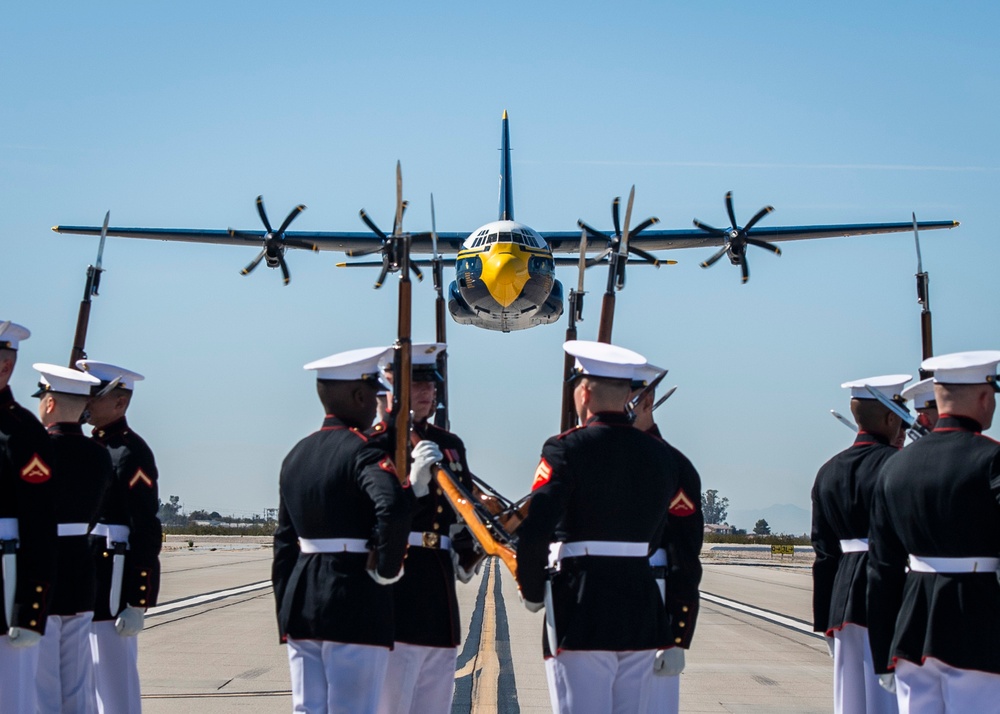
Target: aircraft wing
651 240
348 242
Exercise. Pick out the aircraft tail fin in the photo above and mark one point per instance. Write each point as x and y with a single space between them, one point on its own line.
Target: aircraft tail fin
506 188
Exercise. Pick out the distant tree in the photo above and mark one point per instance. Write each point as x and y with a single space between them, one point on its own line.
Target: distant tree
215 516
170 513
761 528
199 515
714 509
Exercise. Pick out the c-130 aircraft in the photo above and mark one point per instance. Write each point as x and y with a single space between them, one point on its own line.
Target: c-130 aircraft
505 270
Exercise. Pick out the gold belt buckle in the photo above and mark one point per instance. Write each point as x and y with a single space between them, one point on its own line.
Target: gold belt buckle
430 540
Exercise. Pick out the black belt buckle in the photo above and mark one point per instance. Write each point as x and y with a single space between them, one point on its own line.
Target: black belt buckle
430 540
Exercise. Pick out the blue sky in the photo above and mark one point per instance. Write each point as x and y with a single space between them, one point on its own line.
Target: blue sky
179 115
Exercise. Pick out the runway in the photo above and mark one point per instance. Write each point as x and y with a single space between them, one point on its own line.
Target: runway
212 646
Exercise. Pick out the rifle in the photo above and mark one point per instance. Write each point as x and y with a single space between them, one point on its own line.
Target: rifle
575 314
634 401
403 348
924 300
440 317
616 273
89 291
492 537
914 429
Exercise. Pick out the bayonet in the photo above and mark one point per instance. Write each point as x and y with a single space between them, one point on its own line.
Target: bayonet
914 429
664 398
844 420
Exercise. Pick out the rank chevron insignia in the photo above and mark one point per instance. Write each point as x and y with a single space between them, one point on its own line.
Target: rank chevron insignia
140 476
37 471
681 505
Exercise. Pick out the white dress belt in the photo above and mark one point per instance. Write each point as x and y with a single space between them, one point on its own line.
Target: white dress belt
113 532
924 564
428 539
854 545
333 545
605 548
73 529
8 529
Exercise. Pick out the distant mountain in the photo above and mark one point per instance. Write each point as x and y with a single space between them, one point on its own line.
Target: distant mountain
782 517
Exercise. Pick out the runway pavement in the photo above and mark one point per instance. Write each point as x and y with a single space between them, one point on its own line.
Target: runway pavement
212 645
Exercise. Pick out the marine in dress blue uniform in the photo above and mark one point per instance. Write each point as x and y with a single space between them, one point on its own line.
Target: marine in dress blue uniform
127 583
677 563
599 509
421 676
933 595
343 522
27 535
82 475
841 503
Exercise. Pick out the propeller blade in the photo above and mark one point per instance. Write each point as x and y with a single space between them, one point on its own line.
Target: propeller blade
614 215
765 245
253 263
263 214
745 268
643 226
291 217
648 257
729 209
371 224
710 229
760 214
284 269
594 233
711 261
382 274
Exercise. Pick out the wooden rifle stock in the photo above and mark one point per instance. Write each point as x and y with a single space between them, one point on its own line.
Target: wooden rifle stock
480 522
402 362
607 317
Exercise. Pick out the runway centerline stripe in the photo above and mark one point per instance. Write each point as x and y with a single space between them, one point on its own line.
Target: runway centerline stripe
204 598
774 617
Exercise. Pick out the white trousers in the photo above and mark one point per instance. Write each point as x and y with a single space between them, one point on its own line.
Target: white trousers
664 694
419 680
937 688
335 678
855 685
18 668
65 668
116 669
601 682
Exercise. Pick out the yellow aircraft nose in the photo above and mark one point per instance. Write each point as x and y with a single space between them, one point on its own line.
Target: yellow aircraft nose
504 275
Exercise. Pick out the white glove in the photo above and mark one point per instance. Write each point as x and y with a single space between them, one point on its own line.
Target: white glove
669 662
425 454
888 682
383 581
20 638
461 573
531 606
829 644
129 621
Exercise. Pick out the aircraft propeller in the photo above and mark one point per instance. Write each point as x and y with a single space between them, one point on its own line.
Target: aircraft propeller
389 247
736 238
619 242
274 241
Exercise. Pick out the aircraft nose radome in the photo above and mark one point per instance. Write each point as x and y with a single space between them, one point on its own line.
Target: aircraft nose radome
504 275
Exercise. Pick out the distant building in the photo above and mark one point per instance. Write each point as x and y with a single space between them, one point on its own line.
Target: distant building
718 529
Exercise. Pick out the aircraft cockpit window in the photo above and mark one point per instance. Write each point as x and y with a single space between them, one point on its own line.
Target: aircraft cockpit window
493 238
505 238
